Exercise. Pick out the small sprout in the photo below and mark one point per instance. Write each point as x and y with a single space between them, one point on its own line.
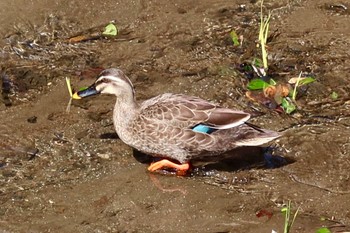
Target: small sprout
234 38
323 230
334 95
288 106
257 84
263 34
288 222
272 82
299 81
294 94
70 93
110 30
257 63
69 87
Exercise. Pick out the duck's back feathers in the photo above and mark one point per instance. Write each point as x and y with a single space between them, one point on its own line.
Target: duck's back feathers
177 109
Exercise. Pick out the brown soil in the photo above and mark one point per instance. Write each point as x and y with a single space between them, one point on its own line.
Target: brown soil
68 172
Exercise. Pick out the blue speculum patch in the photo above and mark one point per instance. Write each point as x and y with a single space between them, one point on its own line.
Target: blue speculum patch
203 129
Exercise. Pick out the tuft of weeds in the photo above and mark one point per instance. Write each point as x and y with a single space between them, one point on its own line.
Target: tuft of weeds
288 220
279 96
263 34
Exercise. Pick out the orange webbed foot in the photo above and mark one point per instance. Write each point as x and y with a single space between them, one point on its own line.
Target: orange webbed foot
181 169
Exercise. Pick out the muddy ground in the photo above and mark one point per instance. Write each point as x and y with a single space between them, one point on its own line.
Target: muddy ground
69 172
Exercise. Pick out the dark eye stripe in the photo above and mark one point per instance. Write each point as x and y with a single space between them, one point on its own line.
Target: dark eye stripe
104 80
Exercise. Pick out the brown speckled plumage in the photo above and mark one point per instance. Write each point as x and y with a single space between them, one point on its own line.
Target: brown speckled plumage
163 126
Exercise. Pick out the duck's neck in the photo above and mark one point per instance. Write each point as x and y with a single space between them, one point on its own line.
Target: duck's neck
125 111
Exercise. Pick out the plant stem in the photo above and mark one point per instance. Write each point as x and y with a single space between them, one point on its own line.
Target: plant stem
263 33
294 95
69 87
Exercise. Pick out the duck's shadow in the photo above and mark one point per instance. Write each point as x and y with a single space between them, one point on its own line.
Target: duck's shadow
251 158
237 159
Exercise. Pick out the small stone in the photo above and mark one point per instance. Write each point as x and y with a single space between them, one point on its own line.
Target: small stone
31 152
32 119
103 156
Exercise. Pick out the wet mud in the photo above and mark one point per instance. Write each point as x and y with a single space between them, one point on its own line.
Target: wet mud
68 171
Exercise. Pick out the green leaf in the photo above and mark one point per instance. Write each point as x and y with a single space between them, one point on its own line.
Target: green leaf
288 106
247 67
110 30
305 81
258 63
323 230
257 84
234 38
334 95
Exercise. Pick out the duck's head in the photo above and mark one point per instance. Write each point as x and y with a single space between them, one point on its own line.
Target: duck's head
110 81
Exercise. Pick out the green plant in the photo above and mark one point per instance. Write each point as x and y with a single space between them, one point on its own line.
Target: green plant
263 34
110 30
279 94
234 38
257 84
323 230
334 95
287 105
288 222
70 94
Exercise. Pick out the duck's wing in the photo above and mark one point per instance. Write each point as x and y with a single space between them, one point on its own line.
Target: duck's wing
184 127
189 112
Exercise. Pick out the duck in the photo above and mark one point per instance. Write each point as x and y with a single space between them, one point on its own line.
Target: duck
175 128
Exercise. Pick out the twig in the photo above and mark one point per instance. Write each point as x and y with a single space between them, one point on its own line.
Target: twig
297 180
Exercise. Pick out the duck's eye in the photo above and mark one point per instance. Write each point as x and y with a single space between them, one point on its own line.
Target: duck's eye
103 80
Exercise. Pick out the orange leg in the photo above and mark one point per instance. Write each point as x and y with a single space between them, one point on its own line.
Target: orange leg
164 163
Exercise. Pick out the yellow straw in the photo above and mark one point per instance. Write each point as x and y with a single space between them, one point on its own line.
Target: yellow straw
69 87
70 93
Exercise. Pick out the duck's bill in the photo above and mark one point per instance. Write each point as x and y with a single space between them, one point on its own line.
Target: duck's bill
85 93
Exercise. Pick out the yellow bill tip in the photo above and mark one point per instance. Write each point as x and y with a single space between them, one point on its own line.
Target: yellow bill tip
76 96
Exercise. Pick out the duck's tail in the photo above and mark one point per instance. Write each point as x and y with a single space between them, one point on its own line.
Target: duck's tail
256 136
